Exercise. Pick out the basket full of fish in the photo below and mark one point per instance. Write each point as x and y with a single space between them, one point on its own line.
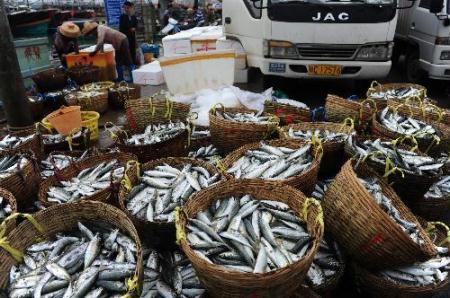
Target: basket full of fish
263 238
361 111
158 189
96 179
332 136
57 160
172 275
292 162
420 279
289 111
430 137
399 164
19 173
94 100
435 204
86 249
396 91
369 220
157 141
56 142
232 128
154 110
22 141
121 92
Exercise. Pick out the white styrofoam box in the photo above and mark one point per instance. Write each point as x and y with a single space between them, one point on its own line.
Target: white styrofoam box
229 44
241 61
106 48
206 40
241 76
177 44
149 74
205 70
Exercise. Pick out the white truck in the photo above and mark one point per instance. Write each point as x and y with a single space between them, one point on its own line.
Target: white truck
423 36
351 39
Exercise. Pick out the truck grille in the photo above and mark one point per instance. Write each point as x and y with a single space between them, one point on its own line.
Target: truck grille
340 52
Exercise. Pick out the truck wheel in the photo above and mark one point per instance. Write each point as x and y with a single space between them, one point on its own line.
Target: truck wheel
414 73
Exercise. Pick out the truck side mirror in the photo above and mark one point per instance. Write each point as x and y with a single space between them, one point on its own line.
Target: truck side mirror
436 6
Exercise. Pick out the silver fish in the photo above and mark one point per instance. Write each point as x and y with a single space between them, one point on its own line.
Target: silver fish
157 133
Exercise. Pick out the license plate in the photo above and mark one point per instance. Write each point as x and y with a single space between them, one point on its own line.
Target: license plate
325 70
277 67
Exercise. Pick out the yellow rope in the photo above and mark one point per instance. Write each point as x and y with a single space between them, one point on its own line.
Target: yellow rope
317 144
435 108
308 203
346 123
395 143
214 109
180 234
432 226
169 109
361 109
126 181
132 286
372 88
220 165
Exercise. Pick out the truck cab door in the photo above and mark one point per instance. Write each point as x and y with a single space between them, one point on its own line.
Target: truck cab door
423 29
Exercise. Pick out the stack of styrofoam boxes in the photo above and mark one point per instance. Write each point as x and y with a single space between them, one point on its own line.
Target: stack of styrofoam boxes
149 74
240 66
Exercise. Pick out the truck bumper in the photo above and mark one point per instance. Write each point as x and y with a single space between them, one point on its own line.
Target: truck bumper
436 71
299 68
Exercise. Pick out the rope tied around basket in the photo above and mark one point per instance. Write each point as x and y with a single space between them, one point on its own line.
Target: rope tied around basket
132 286
126 181
396 109
373 88
433 226
220 165
40 124
180 234
399 141
112 135
317 144
4 243
191 126
304 213
273 125
214 108
390 168
169 109
69 139
434 108
362 105
346 123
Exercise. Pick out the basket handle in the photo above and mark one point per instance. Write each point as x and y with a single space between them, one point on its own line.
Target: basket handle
433 225
126 181
433 107
309 202
410 100
214 109
348 122
411 113
361 109
401 140
372 88
180 216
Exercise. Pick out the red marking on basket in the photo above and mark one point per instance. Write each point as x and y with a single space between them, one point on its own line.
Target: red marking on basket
131 120
377 239
289 119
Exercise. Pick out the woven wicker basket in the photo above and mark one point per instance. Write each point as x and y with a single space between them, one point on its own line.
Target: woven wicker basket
333 152
64 218
84 74
432 209
145 111
158 235
327 288
363 229
422 110
229 135
34 144
377 87
102 86
288 114
305 181
197 143
221 282
338 109
52 79
122 92
97 103
108 195
24 183
9 197
78 143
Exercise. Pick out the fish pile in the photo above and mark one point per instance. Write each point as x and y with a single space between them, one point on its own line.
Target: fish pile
57 138
399 93
327 263
249 117
410 228
248 235
157 133
405 125
409 162
290 102
208 153
168 275
321 188
58 161
197 133
10 164
323 135
83 95
11 142
439 190
164 188
5 209
88 182
94 261
272 163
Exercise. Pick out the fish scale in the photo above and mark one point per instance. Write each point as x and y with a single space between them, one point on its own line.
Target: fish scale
272 163
60 271
170 188
257 241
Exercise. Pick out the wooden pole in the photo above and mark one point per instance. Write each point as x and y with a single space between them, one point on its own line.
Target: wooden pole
12 89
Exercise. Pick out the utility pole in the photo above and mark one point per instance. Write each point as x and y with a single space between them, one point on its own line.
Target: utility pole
12 89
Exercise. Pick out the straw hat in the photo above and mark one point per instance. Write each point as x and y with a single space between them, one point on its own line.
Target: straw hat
69 29
88 27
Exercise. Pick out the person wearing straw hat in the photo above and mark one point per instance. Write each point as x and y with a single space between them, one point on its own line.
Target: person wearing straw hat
117 39
66 40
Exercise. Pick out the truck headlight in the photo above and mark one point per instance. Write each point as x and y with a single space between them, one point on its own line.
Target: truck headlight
280 49
375 52
442 41
445 55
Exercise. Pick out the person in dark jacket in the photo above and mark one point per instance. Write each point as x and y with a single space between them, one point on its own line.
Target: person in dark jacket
128 26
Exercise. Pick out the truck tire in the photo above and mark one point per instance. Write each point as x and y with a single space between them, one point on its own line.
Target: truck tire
414 73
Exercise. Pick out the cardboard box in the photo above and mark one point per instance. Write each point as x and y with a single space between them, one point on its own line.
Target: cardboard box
149 74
